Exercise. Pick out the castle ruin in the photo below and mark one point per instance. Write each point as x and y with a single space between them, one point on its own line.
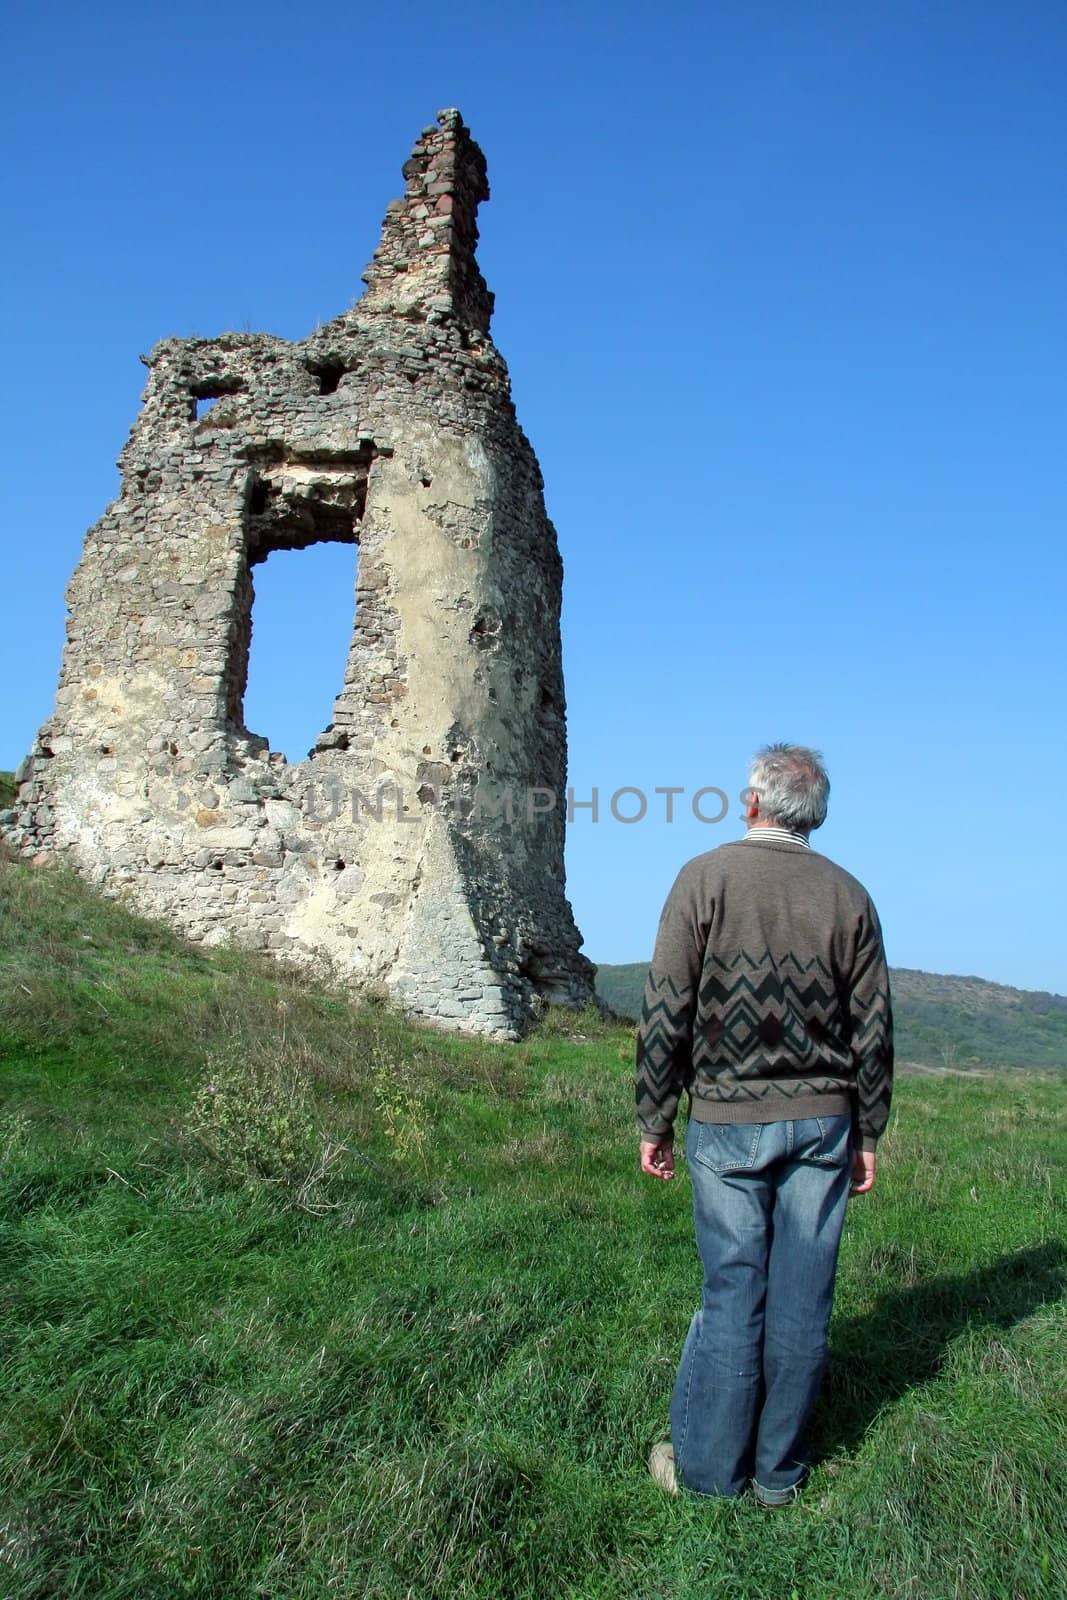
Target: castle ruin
420 845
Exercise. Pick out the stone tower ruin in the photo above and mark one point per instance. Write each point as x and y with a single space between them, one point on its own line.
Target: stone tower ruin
420 844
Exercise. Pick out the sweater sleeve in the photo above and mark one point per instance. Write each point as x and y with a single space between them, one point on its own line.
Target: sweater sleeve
665 1032
871 1014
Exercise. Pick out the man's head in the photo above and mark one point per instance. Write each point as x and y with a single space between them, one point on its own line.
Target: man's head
789 787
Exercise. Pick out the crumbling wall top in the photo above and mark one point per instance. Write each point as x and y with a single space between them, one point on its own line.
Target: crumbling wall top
425 264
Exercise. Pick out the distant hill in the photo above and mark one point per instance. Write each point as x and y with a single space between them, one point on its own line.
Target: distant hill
7 789
621 987
938 1020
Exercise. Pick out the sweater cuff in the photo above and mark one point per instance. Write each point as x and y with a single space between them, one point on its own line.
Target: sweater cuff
869 1143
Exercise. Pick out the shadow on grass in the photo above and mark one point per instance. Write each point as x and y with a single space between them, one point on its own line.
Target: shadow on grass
902 1342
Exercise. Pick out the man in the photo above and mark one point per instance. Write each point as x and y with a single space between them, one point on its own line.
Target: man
767 1001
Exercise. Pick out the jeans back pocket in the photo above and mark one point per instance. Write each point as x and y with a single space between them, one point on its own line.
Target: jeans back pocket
824 1141
726 1146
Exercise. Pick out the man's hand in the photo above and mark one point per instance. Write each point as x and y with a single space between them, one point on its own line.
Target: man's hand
657 1157
863 1165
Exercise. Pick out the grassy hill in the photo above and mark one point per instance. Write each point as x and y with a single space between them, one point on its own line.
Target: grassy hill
300 1299
960 1022
7 789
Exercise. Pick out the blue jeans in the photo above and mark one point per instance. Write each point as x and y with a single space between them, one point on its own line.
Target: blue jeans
768 1204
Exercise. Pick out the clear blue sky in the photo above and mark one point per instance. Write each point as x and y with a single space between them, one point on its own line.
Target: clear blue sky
781 288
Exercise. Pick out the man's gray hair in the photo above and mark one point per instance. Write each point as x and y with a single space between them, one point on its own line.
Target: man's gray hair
791 784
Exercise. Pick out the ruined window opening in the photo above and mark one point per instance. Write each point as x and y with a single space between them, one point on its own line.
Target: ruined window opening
329 375
293 620
204 394
300 623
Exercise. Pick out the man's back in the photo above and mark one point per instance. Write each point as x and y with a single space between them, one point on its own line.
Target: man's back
768 993
768 999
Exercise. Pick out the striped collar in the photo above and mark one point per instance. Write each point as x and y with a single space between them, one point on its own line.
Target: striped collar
778 835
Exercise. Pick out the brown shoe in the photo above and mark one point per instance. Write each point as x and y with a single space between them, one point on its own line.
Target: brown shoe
661 1466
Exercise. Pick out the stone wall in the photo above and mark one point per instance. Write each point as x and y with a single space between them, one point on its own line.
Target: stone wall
389 849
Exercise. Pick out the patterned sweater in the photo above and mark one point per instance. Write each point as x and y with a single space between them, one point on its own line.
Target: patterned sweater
768 994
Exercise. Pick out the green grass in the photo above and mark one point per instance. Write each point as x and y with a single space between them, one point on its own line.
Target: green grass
433 1364
7 790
